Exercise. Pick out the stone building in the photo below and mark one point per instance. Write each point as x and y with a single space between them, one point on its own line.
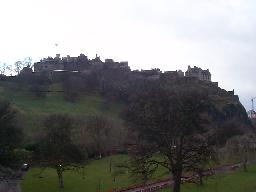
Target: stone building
203 75
48 64
110 63
177 73
65 63
80 63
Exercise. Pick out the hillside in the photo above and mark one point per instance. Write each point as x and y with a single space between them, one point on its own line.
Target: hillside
116 89
227 115
32 110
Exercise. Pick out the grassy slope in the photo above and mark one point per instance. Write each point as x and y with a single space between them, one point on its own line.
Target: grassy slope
34 109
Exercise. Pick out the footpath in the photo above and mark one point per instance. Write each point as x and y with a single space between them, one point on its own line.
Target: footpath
163 184
10 186
10 180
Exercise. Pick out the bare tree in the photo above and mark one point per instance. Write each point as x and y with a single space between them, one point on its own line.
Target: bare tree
10 135
27 62
18 65
242 149
5 69
98 135
169 123
99 128
57 149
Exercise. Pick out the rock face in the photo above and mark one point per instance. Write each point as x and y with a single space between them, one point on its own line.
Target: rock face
229 115
226 102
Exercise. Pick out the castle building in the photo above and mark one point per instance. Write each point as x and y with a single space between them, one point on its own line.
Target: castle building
203 75
85 65
48 64
80 63
177 73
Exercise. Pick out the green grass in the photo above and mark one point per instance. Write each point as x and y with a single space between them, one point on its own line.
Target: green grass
238 181
32 110
97 173
55 103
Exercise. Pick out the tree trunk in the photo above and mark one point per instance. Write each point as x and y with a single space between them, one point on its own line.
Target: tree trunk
60 177
245 165
83 173
177 180
201 181
110 165
200 175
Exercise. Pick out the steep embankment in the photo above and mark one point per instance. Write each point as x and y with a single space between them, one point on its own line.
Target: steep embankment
32 109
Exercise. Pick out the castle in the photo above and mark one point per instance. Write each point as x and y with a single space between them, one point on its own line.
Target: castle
116 71
77 64
203 75
84 65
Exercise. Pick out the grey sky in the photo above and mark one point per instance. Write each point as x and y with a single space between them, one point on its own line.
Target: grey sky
167 34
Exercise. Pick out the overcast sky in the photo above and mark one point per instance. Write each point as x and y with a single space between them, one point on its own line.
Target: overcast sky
165 34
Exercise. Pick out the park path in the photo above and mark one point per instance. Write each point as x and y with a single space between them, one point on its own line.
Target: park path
10 186
167 183
149 187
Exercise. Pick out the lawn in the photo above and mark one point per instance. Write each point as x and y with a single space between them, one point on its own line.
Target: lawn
97 176
238 181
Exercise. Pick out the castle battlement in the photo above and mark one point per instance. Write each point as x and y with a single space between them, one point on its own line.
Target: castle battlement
79 63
